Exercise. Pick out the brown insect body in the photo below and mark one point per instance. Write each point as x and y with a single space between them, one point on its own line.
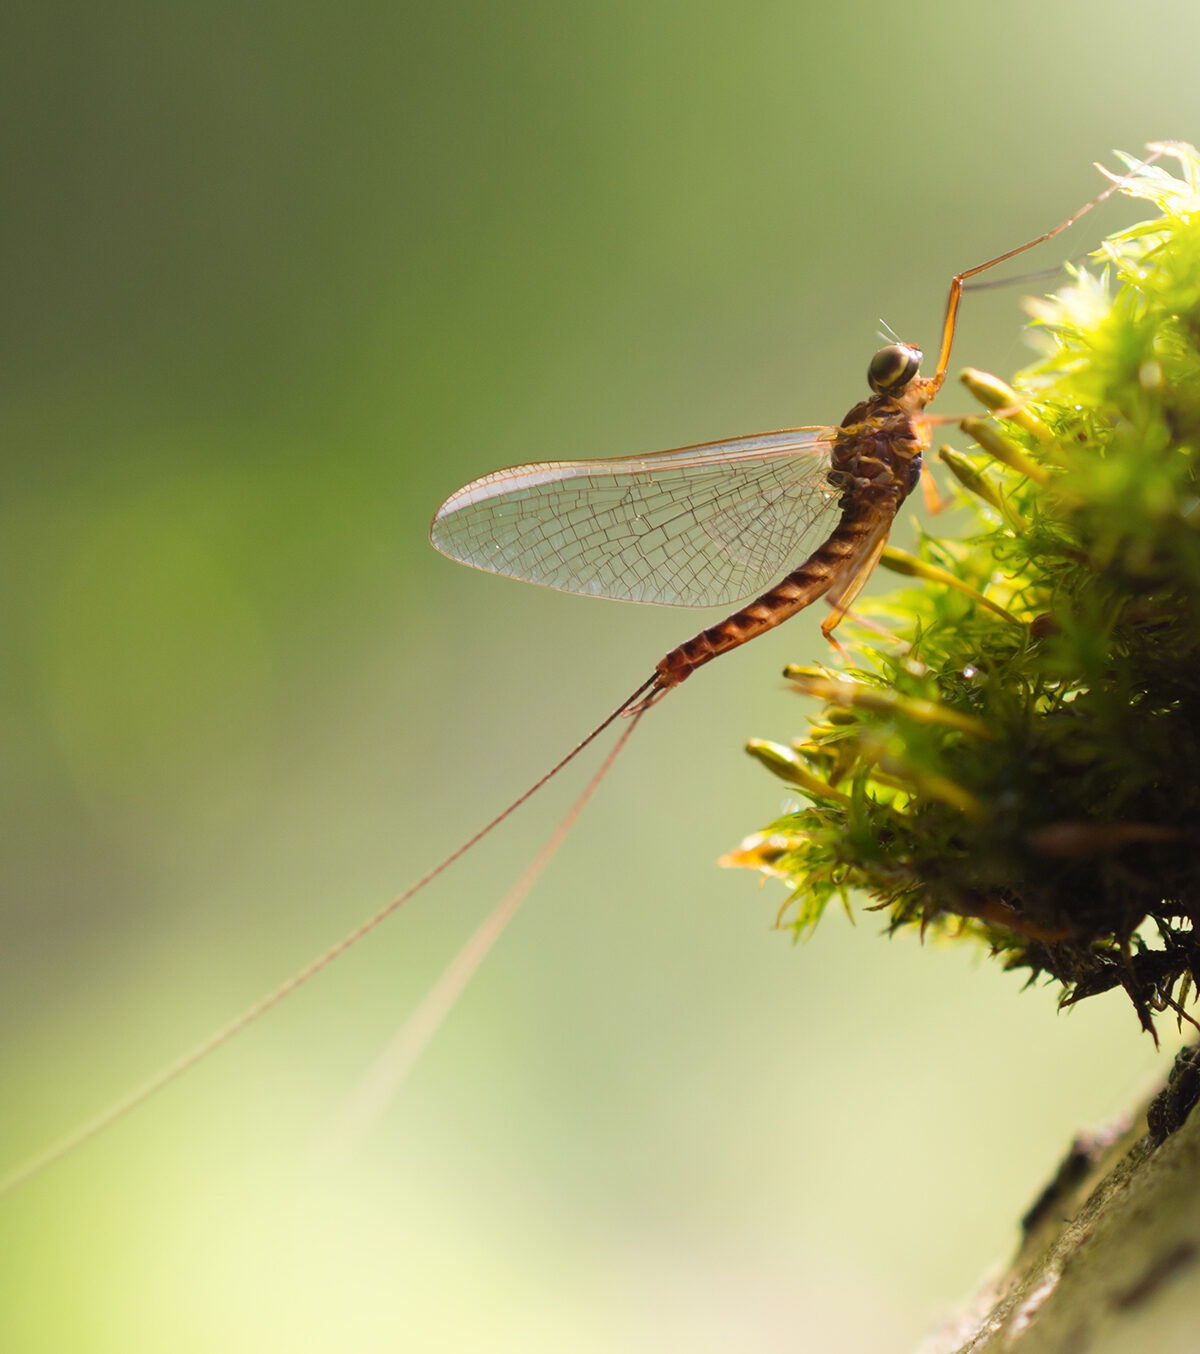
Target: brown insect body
876 461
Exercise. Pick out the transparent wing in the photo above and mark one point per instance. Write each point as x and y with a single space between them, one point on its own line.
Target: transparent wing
702 526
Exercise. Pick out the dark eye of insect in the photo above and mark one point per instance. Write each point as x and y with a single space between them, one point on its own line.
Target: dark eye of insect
893 367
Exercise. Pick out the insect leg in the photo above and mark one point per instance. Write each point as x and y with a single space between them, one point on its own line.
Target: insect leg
851 581
956 285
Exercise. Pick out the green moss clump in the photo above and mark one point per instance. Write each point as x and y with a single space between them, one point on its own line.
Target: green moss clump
1021 763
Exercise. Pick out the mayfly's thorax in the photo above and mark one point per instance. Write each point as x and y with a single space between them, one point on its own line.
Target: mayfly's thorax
876 458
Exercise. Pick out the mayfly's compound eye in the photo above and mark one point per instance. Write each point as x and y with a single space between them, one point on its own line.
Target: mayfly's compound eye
893 367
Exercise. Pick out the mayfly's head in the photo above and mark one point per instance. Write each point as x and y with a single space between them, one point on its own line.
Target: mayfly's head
893 367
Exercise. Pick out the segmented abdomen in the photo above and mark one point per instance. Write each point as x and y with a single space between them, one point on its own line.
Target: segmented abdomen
799 589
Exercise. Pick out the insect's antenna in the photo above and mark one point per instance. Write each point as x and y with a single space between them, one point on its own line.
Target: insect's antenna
956 285
379 1086
91 1128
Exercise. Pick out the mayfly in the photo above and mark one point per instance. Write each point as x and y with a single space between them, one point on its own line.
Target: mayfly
794 516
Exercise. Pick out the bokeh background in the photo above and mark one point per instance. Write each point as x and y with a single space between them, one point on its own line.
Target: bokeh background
276 279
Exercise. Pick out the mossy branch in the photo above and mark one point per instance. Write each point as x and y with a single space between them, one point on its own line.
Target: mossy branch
1020 763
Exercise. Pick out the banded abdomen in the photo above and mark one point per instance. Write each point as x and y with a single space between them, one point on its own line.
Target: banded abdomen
851 550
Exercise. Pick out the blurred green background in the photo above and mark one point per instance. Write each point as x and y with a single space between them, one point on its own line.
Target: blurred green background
276 279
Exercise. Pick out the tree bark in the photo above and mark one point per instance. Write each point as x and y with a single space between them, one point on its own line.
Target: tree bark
1110 1262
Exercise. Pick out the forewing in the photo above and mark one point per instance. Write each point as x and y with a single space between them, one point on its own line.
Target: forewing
702 526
